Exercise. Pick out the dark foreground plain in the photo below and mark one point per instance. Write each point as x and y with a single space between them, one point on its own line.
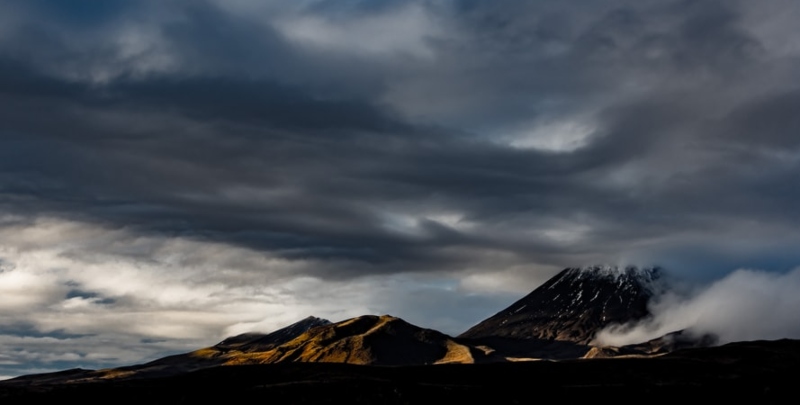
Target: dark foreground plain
762 371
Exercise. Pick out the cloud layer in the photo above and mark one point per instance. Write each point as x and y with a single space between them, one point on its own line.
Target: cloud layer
481 144
745 305
78 295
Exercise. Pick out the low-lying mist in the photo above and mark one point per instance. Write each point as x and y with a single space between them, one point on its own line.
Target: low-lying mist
744 305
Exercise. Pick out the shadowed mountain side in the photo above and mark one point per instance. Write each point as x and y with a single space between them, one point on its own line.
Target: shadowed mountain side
511 349
574 305
501 348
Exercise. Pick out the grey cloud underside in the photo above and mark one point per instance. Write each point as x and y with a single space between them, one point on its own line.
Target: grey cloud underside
252 139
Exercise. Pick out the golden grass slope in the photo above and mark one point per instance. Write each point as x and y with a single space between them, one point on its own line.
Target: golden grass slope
369 339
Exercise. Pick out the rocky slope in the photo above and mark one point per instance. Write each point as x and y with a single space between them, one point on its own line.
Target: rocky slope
574 305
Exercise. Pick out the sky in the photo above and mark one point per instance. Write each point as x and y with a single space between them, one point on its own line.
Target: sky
176 172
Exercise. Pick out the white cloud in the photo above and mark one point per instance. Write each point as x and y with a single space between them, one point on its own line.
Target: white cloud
506 277
565 135
745 305
406 30
20 290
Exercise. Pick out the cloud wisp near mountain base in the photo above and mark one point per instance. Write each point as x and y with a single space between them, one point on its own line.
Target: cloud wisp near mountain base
745 305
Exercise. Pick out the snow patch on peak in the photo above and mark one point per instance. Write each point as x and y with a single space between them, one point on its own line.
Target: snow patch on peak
646 273
612 270
648 278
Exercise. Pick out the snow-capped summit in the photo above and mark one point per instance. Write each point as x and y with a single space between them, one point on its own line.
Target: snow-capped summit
609 270
648 278
575 304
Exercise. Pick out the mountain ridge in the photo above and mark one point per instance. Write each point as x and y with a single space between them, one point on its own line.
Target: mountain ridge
556 321
367 339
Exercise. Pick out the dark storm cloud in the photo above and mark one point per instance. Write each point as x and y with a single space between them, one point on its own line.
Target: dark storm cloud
228 129
771 122
80 11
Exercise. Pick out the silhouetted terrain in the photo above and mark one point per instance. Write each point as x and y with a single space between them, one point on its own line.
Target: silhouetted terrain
763 371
